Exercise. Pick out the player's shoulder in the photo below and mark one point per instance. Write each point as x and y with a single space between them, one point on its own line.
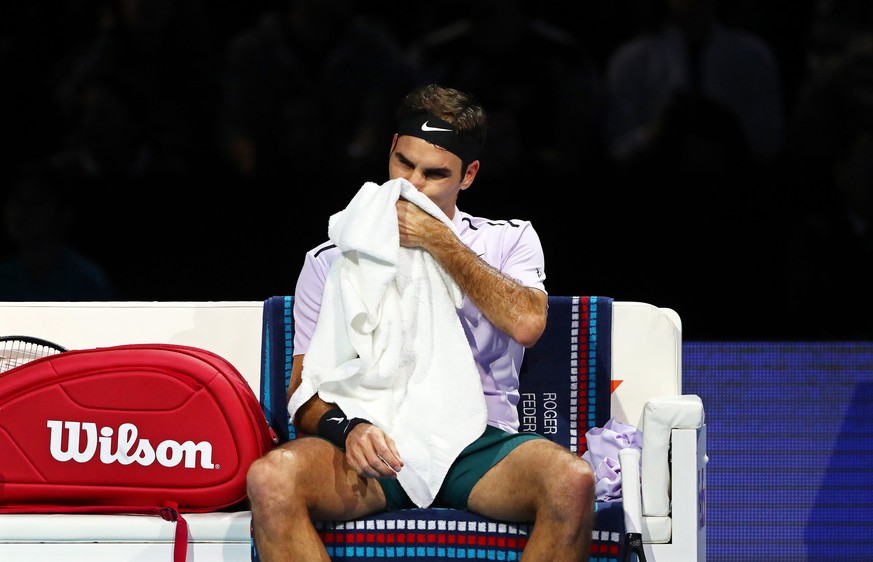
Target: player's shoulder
486 224
323 255
497 227
325 250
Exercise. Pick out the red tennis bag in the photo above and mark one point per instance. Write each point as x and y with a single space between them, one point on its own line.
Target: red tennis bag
126 428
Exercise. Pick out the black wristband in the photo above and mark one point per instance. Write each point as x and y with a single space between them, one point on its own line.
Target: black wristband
335 426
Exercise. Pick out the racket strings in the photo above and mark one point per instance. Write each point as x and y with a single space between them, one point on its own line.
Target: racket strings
14 353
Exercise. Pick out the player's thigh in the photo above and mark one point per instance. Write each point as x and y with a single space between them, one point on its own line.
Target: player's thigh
532 474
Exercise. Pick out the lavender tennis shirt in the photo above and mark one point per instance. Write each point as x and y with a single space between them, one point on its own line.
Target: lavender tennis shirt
511 246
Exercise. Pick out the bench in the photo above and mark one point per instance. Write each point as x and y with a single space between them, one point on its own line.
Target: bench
637 351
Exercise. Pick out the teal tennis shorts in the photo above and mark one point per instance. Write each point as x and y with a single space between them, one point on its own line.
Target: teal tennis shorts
473 462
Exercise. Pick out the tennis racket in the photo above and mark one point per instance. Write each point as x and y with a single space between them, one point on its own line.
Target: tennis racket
18 350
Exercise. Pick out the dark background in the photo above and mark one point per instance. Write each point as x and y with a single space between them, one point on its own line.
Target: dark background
740 258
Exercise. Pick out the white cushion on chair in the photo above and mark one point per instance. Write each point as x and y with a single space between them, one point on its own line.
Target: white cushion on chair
657 530
646 358
660 417
652 529
629 458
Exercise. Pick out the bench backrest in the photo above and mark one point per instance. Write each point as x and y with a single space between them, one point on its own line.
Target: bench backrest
597 359
231 329
645 359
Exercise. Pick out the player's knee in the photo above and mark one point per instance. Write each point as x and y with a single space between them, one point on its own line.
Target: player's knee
583 480
575 488
271 475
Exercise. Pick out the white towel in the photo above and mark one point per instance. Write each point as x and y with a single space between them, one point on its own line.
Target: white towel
389 346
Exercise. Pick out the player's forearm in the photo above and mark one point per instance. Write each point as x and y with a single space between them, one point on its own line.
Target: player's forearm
516 310
308 415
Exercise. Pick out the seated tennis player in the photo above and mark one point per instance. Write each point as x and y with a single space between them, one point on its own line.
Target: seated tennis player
372 444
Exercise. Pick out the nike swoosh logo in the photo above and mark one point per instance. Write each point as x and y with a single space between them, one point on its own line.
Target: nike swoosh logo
424 127
337 420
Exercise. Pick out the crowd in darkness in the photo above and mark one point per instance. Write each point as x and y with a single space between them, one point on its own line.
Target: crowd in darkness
711 157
